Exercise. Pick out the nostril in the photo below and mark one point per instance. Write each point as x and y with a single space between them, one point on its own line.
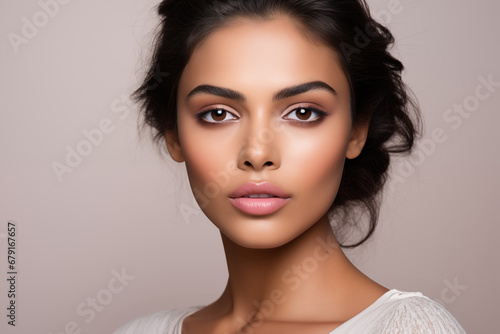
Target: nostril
267 163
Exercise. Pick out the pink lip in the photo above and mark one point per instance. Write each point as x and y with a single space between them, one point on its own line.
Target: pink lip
258 206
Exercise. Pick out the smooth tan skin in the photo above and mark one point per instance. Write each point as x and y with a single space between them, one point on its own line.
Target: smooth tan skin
280 277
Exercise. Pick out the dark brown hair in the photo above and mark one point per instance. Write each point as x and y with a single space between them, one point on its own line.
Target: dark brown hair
378 93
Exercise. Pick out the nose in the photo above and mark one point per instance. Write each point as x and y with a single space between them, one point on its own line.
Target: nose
260 149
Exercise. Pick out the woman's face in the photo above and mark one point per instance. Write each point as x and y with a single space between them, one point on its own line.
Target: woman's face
260 102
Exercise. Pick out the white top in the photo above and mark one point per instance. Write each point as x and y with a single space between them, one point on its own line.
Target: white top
395 312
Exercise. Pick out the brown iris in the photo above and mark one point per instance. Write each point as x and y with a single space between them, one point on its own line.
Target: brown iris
218 114
303 114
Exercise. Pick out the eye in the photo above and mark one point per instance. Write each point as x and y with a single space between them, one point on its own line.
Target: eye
305 115
217 115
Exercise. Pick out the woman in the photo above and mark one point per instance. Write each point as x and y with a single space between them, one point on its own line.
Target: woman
285 113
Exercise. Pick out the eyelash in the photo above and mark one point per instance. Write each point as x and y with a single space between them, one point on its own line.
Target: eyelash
200 116
320 115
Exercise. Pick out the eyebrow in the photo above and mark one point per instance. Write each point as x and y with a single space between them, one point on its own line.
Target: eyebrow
282 94
218 91
303 88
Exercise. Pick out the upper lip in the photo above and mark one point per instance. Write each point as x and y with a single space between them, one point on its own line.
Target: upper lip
251 188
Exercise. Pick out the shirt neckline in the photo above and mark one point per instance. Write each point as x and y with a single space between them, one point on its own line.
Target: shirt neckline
382 299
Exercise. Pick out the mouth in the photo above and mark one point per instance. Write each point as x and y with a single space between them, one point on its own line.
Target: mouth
259 198
259 190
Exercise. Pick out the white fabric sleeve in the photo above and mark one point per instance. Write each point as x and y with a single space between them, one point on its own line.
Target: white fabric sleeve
152 324
420 315
164 322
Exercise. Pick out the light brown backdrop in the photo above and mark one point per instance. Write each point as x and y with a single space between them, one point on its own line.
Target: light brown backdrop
122 208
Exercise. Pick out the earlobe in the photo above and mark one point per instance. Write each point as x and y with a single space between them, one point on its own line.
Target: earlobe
357 141
174 146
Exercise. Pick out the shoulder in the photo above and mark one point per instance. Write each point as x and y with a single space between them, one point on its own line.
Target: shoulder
412 312
164 322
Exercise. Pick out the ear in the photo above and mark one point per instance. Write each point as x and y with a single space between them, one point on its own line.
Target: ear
359 132
174 145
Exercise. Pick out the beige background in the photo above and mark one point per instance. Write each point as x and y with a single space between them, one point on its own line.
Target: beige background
122 207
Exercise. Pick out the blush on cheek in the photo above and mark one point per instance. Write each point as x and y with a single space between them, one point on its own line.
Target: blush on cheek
198 171
323 157
325 172
203 172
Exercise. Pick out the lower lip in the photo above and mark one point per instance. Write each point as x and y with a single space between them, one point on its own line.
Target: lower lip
259 206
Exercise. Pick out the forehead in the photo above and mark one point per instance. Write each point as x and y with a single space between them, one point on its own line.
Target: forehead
272 52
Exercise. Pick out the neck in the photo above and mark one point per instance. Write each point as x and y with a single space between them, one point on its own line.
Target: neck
308 274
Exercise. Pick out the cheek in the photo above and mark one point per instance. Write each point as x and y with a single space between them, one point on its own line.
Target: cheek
317 154
206 158
200 168
319 162
324 176
324 166
200 162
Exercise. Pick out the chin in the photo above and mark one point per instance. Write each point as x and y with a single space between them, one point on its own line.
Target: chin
261 237
260 244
